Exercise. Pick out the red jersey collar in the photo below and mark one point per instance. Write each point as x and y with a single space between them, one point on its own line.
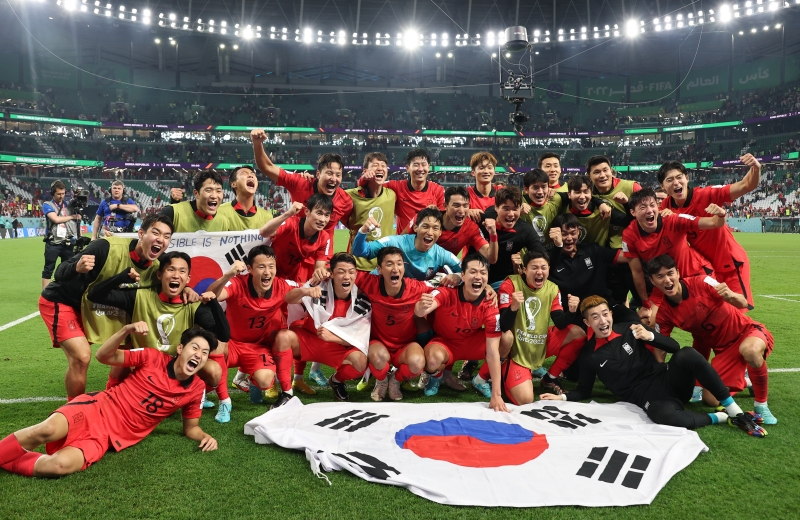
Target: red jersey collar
614 182
144 264
200 213
166 299
581 213
599 342
240 210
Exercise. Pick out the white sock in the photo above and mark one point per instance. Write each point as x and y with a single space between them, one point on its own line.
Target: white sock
225 401
240 376
731 407
316 366
722 417
289 391
478 380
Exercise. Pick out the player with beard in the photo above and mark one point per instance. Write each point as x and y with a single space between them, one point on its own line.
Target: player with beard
328 180
481 195
727 257
256 312
79 433
337 316
550 163
466 326
74 322
710 312
200 213
618 355
459 232
372 199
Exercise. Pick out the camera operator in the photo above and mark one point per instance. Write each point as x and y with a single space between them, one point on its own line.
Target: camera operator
115 214
62 226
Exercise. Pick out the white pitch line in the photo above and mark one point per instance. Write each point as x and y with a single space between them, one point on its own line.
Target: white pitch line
17 322
31 400
783 370
777 298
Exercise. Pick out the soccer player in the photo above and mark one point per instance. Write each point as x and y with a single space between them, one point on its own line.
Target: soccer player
709 311
727 257
661 194
243 214
618 356
513 235
255 313
199 214
328 180
114 209
527 340
550 163
538 209
652 235
336 330
466 326
303 245
393 335
423 257
460 232
72 320
481 195
374 200
79 433
415 193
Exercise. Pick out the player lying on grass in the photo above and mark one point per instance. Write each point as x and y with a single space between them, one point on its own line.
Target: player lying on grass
619 356
335 331
527 304
79 433
466 326
711 312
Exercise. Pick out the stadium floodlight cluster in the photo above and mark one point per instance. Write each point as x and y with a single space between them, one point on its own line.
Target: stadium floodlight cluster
412 39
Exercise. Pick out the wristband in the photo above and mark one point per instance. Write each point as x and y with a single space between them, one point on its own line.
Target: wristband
493 238
563 397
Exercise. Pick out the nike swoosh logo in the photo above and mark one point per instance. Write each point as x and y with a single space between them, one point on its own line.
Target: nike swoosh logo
603 363
559 270
245 306
150 378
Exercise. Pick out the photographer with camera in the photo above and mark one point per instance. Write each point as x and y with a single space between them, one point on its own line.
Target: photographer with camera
62 227
115 214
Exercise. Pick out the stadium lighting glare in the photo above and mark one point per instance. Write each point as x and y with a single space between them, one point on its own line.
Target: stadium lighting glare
438 55
307 35
146 12
172 17
725 14
753 30
146 21
494 55
631 28
172 42
449 54
221 45
158 41
412 39
235 47
773 6
247 33
122 8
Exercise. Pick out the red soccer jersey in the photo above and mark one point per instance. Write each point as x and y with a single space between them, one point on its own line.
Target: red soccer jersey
480 201
669 238
296 254
466 235
301 189
252 318
392 316
457 319
410 201
703 313
507 289
718 245
148 395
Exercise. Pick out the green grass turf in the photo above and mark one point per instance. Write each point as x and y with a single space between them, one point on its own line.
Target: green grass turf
165 476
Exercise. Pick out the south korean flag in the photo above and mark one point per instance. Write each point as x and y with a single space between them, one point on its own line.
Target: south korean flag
467 454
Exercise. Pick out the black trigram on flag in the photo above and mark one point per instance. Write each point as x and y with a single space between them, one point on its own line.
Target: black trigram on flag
560 418
237 253
613 467
371 466
351 421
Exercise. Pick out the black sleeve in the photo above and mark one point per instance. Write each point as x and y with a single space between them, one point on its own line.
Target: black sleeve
596 201
562 319
168 211
99 248
108 293
174 201
587 377
507 317
211 317
489 213
606 254
619 218
564 203
532 242
665 343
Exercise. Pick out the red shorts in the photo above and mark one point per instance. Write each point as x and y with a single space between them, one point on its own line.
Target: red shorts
729 363
249 357
514 374
87 428
62 321
555 338
394 351
472 348
738 280
314 349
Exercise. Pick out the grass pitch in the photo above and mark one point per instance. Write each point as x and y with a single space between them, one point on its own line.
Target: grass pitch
165 476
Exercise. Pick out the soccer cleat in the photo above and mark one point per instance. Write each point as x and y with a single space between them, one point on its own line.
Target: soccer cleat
748 423
484 388
766 415
432 386
394 388
422 382
379 392
551 384
339 390
224 413
319 378
539 373
697 395
208 404
451 382
363 383
282 400
256 395
272 392
300 384
465 374
241 382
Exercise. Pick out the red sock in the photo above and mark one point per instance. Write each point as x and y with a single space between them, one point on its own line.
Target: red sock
380 375
112 382
283 365
404 373
222 386
567 356
300 368
760 380
23 465
11 449
484 372
347 372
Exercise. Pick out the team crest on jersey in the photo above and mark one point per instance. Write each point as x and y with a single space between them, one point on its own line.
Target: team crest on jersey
474 322
667 242
509 246
627 348
532 307
429 273
588 263
581 234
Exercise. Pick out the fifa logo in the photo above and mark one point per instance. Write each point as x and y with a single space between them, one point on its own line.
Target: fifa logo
532 307
581 234
540 225
165 325
377 214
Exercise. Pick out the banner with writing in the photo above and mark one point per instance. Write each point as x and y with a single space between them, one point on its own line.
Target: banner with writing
604 89
757 74
653 87
704 81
